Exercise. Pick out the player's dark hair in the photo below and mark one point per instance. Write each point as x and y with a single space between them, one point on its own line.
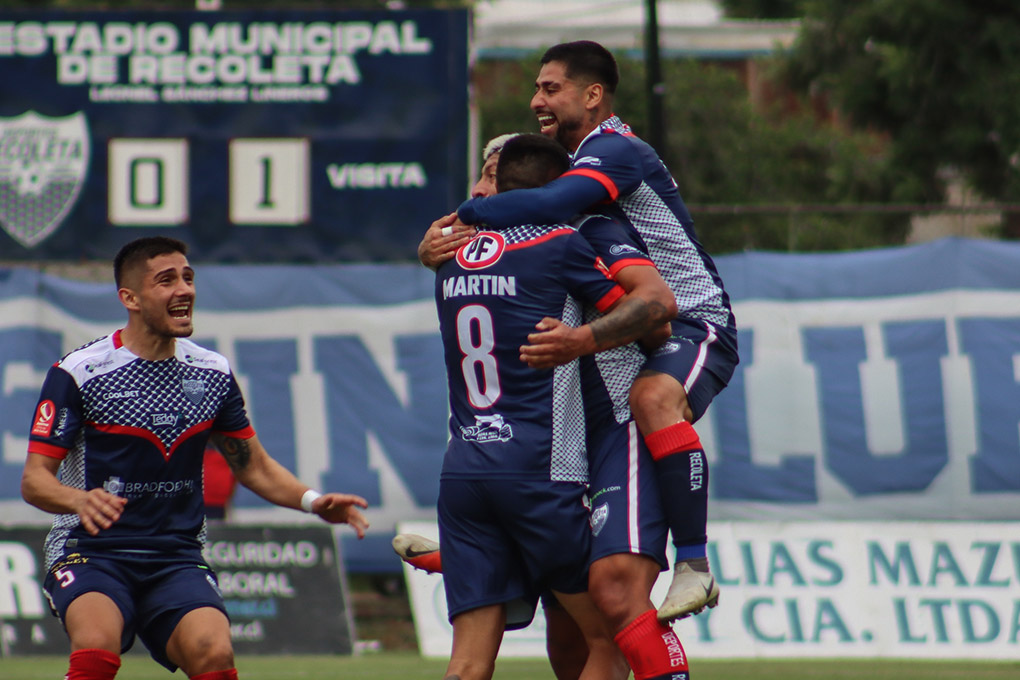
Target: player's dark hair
141 250
529 161
586 60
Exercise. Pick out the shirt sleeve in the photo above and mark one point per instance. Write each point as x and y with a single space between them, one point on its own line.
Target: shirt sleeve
586 275
612 161
233 419
556 202
57 416
619 246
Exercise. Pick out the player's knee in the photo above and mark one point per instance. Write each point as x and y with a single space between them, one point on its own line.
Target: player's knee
611 587
211 654
658 401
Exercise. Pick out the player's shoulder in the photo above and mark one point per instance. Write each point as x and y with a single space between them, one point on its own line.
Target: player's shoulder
91 359
193 354
607 143
528 235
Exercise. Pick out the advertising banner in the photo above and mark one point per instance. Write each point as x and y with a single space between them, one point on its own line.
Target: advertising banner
284 589
876 385
926 590
269 136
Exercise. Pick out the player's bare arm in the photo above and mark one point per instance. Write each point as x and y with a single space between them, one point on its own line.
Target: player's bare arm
260 472
97 509
442 239
643 314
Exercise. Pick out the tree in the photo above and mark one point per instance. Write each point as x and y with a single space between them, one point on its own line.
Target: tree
939 78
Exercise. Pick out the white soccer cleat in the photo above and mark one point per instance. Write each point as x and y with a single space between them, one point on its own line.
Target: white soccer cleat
418 551
689 593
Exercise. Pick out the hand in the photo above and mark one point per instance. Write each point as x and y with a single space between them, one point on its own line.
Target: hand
99 509
556 343
339 508
435 249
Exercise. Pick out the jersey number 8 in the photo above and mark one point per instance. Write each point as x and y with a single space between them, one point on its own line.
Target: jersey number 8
478 363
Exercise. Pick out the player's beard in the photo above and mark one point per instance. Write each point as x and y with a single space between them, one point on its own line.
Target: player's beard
567 133
163 325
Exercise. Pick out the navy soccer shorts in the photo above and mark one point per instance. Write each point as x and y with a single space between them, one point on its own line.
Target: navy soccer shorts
153 591
626 508
702 358
505 541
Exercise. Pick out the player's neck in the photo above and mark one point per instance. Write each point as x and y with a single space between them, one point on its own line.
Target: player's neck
145 344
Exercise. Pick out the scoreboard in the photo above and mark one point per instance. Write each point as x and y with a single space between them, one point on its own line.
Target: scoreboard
255 136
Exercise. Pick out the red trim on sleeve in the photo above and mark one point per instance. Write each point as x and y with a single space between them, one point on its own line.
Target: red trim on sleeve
610 298
632 262
599 177
48 450
244 433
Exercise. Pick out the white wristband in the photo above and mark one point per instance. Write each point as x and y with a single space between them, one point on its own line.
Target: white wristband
308 498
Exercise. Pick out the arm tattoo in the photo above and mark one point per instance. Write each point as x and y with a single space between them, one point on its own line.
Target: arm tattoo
236 451
628 322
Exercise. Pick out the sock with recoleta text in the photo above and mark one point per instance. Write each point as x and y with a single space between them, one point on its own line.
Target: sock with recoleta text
681 471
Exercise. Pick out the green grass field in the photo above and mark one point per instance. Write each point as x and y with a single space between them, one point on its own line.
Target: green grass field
409 665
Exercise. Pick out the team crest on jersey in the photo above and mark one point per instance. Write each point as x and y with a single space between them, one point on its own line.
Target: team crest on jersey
598 518
482 251
194 389
487 429
43 162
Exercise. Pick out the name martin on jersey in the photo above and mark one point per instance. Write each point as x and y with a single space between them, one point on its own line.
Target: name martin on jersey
479 284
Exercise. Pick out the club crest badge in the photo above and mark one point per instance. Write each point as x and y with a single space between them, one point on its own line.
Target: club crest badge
43 163
598 518
194 389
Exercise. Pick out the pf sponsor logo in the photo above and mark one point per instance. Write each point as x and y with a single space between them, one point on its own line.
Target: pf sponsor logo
43 163
44 413
482 251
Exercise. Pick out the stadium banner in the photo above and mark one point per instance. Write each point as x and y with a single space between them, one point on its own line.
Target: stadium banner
284 588
873 385
926 590
257 136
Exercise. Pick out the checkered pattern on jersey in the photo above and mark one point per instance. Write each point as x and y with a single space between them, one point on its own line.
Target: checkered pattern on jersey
618 367
529 232
71 473
671 249
162 405
569 459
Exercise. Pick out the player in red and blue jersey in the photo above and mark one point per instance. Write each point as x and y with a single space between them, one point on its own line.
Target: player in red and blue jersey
115 452
511 514
615 172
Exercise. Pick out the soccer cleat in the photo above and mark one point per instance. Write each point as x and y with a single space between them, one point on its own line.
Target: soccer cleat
418 551
689 593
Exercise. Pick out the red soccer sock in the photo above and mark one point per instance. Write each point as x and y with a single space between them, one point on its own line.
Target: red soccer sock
673 439
230 674
652 649
92 664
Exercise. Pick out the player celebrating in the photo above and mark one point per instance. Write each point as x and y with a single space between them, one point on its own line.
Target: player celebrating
115 451
615 172
511 516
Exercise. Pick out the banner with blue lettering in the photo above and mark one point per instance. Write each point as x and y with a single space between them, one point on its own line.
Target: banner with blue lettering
269 136
873 385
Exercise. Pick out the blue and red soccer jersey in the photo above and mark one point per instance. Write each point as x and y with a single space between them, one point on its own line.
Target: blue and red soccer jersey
508 420
138 429
616 173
